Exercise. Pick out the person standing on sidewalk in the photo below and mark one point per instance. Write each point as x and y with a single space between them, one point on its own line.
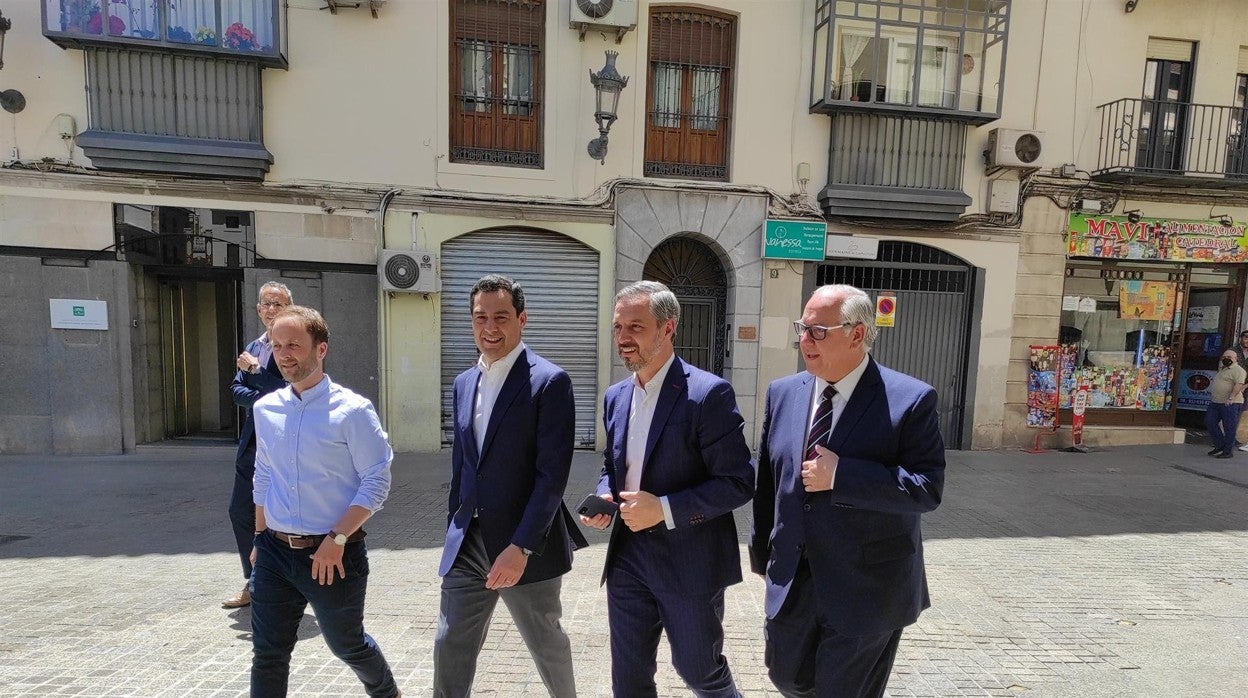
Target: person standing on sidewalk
322 469
508 534
677 462
851 455
257 376
1226 401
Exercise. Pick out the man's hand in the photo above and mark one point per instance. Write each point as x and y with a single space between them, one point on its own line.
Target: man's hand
817 473
640 510
507 569
599 521
253 555
326 559
247 363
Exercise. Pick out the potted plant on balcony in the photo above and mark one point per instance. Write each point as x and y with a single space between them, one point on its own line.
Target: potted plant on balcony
81 17
240 38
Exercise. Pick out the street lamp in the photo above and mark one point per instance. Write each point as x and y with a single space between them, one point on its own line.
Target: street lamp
608 83
11 100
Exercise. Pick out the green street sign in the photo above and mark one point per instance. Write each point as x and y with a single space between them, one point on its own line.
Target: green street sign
80 311
803 240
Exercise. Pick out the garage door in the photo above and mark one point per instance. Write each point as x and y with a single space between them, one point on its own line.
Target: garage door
560 280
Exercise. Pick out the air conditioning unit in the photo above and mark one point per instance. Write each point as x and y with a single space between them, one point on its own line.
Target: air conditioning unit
618 16
408 271
1009 147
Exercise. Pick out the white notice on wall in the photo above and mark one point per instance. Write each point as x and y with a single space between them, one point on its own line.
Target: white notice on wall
78 315
1070 302
1087 305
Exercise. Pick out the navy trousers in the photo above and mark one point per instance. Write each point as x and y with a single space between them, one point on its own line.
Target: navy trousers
637 615
805 658
281 587
1221 421
243 511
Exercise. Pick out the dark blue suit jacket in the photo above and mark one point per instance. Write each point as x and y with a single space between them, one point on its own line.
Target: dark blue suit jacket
247 388
862 538
515 484
696 456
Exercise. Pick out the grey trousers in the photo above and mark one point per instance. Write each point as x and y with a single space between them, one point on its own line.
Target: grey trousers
464 620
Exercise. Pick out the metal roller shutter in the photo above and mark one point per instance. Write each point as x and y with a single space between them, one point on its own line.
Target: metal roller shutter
560 280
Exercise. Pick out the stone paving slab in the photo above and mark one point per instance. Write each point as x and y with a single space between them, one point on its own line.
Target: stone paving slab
1107 574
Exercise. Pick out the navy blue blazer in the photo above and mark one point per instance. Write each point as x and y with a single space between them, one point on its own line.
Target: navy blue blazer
697 457
515 484
247 388
862 538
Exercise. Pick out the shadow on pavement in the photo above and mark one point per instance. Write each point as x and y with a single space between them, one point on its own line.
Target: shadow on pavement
171 500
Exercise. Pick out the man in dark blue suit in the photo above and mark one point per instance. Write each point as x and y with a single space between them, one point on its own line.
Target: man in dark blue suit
851 455
677 462
257 376
508 533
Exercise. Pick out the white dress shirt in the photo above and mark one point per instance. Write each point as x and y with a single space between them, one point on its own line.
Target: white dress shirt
640 415
489 384
844 390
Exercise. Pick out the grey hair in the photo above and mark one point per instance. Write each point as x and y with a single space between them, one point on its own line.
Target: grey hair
663 303
856 307
275 286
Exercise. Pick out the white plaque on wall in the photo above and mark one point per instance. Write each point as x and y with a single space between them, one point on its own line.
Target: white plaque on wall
79 315
844 246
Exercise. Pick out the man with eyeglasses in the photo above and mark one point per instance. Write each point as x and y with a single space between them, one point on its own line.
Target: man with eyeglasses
257 376
851 455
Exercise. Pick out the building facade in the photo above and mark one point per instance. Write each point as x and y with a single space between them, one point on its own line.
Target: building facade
960 159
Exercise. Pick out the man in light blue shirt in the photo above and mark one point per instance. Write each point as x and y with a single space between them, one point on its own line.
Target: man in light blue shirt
322 469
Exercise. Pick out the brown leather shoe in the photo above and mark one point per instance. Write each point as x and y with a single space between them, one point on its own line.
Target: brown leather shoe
242 598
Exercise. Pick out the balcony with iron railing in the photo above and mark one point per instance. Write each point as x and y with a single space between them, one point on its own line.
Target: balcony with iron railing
1148 141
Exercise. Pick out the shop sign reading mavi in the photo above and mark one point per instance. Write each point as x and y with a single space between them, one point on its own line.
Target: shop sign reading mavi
800 240
1116 237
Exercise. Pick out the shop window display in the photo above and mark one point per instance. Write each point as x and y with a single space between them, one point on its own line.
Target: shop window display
1117 337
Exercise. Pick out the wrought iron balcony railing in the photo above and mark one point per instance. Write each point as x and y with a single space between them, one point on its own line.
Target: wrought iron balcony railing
1155 141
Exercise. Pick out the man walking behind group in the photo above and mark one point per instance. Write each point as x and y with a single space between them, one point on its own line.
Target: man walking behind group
257 376
850 456
677 462
508 533
322 469
1226 401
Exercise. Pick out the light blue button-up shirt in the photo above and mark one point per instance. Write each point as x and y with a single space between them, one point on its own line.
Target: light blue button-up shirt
317 454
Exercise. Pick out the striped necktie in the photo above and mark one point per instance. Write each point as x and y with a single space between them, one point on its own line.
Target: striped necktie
822 424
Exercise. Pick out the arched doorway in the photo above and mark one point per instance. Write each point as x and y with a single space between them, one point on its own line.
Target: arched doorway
935 294
692 270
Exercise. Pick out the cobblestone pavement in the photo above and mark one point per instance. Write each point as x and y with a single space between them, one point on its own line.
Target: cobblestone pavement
1119 573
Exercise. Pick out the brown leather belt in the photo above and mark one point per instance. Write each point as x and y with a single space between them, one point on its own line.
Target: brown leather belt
298 542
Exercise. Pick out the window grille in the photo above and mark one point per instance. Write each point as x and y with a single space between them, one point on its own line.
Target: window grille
689 101
496 81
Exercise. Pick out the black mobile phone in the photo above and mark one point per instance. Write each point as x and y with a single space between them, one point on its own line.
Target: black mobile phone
595 505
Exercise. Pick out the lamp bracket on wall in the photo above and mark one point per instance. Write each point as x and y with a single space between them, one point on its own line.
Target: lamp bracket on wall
334 5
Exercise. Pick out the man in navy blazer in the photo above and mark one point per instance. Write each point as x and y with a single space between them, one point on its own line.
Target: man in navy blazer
677 461
257 376
508 534
851 455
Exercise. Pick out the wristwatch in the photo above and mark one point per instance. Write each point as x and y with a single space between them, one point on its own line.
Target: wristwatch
338 538
526 552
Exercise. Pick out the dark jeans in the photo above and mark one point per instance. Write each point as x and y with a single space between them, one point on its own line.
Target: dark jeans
1221 421
281 587
243 516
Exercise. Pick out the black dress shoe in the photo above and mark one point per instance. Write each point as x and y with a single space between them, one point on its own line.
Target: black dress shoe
1226 454
1215 451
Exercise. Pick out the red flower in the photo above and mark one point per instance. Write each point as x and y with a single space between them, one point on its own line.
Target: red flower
239 37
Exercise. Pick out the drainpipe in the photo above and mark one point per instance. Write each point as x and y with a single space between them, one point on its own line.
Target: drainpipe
383 319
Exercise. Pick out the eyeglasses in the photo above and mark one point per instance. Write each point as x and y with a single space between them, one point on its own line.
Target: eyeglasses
819 332
270 304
